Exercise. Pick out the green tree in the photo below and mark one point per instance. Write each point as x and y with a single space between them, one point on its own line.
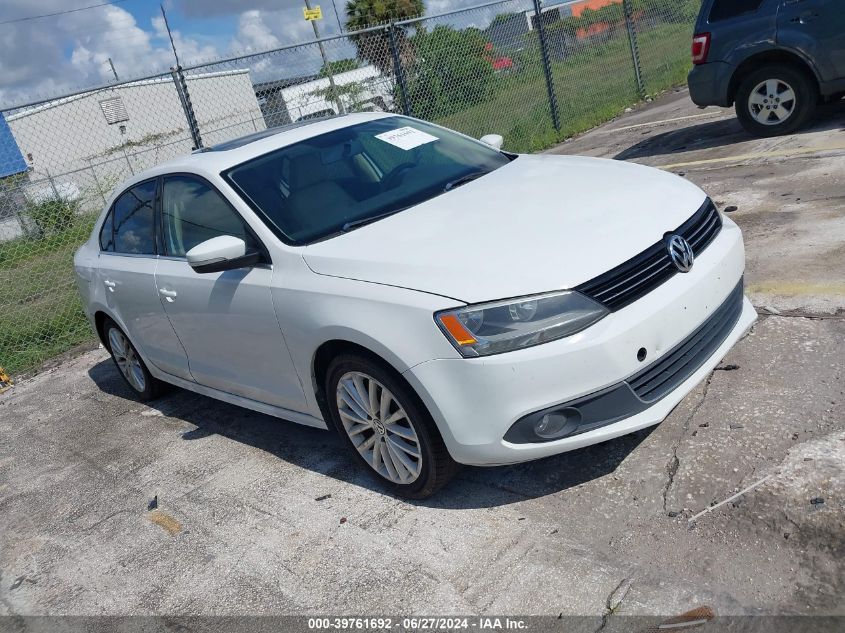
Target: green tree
350 94
339 66
453 71
375 46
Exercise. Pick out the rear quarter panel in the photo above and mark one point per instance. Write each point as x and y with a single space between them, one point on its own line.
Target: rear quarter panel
734 40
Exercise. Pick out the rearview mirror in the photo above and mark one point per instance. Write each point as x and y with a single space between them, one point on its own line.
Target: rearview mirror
221 253
493 140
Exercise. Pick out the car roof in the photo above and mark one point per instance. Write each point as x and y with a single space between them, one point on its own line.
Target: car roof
218 158
261 134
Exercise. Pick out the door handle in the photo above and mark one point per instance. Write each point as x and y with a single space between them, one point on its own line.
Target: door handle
109 284
169 295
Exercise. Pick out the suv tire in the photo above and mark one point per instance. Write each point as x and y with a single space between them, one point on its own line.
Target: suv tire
775 100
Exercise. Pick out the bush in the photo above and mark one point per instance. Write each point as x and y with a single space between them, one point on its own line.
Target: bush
53 216
450 72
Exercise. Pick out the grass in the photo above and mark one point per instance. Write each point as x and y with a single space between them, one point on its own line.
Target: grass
40 312
591 87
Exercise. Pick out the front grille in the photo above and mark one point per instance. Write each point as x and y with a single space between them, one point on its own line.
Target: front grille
664 375
641 274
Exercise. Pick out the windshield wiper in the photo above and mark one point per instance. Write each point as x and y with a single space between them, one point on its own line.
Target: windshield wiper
457 182
354 224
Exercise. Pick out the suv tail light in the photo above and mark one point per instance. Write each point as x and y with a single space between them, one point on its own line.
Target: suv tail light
700 47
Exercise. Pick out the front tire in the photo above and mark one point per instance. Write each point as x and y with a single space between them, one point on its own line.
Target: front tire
775 100
386 427
129 363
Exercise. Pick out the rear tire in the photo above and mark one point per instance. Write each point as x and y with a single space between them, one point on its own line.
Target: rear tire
386 427
129 363
775 100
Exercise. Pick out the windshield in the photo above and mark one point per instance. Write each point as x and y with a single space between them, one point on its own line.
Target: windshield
339 180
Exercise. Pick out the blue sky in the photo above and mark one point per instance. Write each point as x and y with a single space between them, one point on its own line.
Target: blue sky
48 56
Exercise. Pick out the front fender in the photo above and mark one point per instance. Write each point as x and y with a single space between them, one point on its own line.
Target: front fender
396 324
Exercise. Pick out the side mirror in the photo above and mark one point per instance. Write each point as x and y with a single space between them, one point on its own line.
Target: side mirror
493 140
221 253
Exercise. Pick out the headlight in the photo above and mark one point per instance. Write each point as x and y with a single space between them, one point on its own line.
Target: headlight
502 326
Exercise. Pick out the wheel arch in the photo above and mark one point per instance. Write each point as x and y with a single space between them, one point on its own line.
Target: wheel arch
100 317
771 56
322 358
331 349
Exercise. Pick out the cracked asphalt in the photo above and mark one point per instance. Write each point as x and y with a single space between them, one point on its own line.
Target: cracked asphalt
193 506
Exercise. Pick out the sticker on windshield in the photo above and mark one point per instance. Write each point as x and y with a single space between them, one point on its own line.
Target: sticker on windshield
406 137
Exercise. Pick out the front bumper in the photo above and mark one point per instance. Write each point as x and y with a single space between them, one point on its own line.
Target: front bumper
476 401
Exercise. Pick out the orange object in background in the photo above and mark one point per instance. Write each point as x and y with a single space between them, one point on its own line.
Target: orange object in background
579 7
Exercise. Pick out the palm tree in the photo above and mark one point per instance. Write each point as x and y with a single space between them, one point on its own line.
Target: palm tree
375 46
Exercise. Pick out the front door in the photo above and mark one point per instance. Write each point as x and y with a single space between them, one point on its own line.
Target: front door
226 321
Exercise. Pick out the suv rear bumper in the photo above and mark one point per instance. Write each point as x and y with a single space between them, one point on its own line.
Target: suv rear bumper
708 84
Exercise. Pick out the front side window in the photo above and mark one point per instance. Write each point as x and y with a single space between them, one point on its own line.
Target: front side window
193 212
132 220
329 183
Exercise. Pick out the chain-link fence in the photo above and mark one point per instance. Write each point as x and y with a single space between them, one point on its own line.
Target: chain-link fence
535 73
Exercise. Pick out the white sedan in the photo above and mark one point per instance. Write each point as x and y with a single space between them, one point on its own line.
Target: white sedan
435 300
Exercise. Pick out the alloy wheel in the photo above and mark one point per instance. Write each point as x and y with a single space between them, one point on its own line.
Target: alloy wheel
379 427
127 359
772 102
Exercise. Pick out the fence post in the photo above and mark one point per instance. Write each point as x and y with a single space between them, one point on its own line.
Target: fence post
398 71
187 106
128 164
635 49
97 181
547 65
52 185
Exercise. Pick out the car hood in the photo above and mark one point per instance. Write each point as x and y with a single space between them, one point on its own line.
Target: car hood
537 224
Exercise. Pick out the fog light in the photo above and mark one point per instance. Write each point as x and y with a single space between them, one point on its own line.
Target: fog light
557 423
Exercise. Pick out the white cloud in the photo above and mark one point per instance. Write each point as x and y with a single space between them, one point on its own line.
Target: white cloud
253 34
51 56
43 58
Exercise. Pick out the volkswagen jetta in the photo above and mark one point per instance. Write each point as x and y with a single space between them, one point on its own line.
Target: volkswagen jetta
434 299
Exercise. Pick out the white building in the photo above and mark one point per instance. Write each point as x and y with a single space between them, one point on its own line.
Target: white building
359 90
95 139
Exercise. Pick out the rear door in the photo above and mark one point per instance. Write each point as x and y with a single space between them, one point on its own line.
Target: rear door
226 320
127 264
817 29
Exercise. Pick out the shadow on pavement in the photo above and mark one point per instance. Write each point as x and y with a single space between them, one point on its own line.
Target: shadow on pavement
324 452
721 133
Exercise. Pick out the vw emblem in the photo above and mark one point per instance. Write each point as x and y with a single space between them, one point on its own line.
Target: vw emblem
680 252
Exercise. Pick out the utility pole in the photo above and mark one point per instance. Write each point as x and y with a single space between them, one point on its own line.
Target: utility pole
111 63
332 87
182 89
337 15
170 35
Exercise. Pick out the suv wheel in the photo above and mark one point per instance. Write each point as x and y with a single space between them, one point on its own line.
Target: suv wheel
129 363
775 100
387 428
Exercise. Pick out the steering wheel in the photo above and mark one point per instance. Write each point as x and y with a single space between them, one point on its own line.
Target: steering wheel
391 178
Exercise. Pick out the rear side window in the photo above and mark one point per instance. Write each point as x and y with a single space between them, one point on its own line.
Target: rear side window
193 212
725 9
133 220
107 234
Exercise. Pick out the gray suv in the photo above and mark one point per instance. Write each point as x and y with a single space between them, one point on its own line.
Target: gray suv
774 59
